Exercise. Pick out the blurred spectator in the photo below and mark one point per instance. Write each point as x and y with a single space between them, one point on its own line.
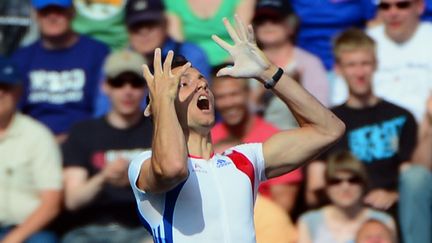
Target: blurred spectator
30 169
102 20
147 26
272 224
407 79
380 134
240 124
375 231
319 23
275 25
415 208
97 155
16 25
61 70
196 21
338 222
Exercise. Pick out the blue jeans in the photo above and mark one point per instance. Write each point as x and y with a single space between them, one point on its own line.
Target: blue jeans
106 234
415 205
39 237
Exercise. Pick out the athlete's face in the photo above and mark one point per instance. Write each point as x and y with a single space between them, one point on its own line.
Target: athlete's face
357 68
231 99
400 17
374 232
54 21
195 103
126 93
145 37
9 96
344 189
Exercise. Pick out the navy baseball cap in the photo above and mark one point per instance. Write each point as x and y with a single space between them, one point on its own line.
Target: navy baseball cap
40 4
143 10
9 74
273 9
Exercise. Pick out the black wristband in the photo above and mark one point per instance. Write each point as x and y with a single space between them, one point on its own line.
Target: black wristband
269 84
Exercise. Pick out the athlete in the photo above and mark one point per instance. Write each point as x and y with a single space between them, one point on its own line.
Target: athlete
187 193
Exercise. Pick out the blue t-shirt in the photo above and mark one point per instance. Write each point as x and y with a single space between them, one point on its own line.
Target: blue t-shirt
193 53
427 15
60 86
321 20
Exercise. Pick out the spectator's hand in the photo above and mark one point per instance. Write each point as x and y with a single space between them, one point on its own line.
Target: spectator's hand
116 173
249 60
163 83
381 199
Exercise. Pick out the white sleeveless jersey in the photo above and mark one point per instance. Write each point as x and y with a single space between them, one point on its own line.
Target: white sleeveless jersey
214 204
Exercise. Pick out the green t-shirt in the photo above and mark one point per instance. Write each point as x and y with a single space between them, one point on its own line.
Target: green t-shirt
199 31
103 20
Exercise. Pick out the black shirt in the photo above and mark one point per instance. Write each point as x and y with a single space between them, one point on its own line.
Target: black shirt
382 137
93 144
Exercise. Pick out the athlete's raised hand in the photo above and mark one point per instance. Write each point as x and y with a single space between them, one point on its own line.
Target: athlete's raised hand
249 60
163 83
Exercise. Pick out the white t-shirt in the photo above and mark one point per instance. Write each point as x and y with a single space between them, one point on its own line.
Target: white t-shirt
214 204
404 74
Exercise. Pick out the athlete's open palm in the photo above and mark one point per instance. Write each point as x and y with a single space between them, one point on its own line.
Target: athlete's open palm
249 60
163 83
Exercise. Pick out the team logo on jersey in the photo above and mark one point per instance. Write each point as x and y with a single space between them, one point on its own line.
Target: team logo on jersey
221 163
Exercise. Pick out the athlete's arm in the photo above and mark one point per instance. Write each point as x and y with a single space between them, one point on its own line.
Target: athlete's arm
319 127
167 166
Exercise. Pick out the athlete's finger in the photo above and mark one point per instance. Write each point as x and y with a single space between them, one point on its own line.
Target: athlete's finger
182 70
168 62
157 62
227 47
226 71
148 76
251 35
240 27
231 30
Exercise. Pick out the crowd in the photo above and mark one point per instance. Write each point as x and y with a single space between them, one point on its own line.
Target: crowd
72 98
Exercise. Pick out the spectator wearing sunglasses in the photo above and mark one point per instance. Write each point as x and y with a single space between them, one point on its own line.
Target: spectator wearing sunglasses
338 222
407 79
97 154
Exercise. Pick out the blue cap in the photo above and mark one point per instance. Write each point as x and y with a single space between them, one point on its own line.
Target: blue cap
8 72
40 4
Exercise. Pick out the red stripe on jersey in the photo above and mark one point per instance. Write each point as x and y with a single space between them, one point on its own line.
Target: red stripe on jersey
244 165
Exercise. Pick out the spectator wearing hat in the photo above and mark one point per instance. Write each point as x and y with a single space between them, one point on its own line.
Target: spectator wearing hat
30 169
61 70
147 28
97 154
275 27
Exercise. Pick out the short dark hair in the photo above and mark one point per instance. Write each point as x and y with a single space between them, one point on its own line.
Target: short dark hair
178 61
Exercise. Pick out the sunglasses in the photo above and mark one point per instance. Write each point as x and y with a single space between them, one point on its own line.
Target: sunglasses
351 180
137 83
399 5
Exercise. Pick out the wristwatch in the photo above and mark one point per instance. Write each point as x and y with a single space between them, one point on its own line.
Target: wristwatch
269 84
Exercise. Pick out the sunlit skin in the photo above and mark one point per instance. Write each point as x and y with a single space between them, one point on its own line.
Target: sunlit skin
374 232
400 24
54 22
231 99
344 194
145 37
357 67
193 85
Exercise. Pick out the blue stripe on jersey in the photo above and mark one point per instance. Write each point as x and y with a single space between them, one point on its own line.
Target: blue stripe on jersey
170 201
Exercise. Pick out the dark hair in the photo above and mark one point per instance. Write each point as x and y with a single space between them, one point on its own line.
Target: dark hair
178 61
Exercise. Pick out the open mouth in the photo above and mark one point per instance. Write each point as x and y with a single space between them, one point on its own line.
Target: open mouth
203 103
